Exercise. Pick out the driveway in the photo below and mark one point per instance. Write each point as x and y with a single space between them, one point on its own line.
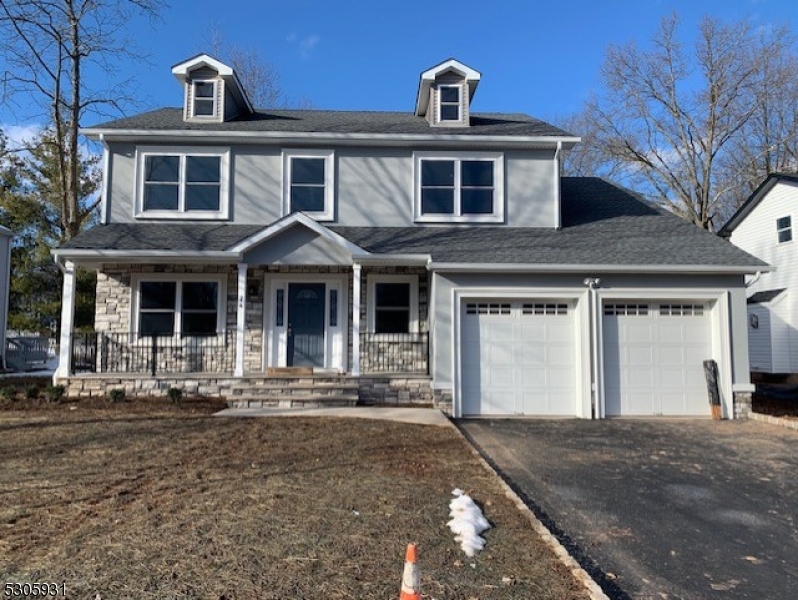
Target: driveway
660 509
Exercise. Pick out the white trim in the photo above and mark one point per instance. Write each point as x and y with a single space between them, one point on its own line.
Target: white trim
717 313
340 139
293 219
151 256
241 319
372 279
202 60
744 387
356 290
182 152
328 214
106 166
221 301
557 186
497 158
67 322
335 338
214 99
460 111
580 299
428 77
598 268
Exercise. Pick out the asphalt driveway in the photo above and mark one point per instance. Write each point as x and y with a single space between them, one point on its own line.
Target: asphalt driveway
660 509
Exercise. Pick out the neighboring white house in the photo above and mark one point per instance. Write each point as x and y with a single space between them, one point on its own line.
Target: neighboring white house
763 226
435 254
5 276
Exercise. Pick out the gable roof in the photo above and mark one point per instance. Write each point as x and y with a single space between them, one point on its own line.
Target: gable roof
754 199
604 227
428 77
183 69
329 123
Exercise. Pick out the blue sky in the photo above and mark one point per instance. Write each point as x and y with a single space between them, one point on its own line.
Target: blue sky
540 58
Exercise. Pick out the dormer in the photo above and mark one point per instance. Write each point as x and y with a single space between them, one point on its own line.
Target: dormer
445 93
212 91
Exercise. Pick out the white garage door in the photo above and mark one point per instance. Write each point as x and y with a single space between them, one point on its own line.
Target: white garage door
653 358
518 357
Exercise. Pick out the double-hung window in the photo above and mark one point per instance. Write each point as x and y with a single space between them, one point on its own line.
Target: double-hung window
394 303
168 307
459 188
784 229
308 183
204 95
177 184
449 103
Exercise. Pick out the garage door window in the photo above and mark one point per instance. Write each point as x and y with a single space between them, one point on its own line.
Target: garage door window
545 309
626 309
487 308
681 310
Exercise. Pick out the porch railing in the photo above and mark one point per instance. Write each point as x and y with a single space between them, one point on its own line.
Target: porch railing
394 352
153 354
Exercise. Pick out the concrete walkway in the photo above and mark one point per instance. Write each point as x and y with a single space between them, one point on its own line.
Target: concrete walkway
418 416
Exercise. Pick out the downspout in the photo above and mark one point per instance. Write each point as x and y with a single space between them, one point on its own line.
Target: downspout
557 202
592 283
754 280
106 174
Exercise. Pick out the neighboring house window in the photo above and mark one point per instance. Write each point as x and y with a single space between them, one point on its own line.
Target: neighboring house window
467 188
168 307
308 184
204 99
784 229
449 103
394 303
175 184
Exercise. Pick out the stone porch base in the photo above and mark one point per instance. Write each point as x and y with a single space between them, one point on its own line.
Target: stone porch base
260 390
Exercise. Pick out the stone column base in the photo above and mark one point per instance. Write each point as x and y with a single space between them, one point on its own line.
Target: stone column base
742 404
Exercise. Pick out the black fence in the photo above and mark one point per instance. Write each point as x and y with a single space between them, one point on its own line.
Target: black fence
152 354
394 352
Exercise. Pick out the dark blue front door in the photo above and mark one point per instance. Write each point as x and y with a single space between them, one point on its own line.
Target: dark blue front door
305 325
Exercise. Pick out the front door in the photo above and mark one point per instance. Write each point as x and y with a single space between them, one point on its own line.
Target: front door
305 325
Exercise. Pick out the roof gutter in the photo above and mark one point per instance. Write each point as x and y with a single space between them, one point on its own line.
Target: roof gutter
155 256
598 268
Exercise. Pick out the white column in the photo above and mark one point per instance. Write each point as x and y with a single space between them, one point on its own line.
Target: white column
355 319
241 319
67 322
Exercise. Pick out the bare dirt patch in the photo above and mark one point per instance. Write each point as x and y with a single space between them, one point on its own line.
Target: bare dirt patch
778 400
132 502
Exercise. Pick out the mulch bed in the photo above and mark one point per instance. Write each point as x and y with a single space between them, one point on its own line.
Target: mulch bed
776 400
149 499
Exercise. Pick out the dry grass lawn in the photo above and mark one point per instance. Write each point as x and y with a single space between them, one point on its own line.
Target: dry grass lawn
148 500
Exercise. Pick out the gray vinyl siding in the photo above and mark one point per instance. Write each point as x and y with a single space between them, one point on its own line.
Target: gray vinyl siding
760 352
444 284
373 187
298 246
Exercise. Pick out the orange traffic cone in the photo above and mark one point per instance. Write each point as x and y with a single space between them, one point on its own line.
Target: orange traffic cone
411 578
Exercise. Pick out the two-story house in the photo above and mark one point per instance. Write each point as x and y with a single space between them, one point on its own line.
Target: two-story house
283 256
763 227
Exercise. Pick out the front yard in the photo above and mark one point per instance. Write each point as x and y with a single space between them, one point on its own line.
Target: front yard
157 501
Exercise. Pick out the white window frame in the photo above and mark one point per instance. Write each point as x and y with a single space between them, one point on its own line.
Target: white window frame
328 214
214 99
372 280
457 217
780 230
178 278
224 182
459 88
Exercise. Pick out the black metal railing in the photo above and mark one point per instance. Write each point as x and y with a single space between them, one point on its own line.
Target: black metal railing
153 354
394 352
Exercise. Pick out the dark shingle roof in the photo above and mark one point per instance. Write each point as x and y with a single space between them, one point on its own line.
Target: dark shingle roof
333 121
602 225
754 199
766 296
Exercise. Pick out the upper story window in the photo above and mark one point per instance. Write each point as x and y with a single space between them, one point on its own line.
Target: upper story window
449 103
784 229
176 184
179 307
465 188
204 97
308 183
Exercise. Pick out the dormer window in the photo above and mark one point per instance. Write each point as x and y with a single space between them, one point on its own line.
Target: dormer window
204 95
449 103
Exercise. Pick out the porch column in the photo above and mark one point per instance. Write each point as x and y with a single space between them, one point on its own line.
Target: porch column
67 322
241 319
355 319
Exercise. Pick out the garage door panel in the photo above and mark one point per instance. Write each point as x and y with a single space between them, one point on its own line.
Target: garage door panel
653 365
525 360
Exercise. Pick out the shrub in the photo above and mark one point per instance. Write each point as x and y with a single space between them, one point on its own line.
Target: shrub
32 392
116 395
8 392
54 393
175 394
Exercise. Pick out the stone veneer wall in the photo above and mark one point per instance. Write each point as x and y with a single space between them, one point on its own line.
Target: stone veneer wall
742 404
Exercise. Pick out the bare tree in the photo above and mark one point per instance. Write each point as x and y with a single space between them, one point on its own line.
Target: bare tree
48 47
669 119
